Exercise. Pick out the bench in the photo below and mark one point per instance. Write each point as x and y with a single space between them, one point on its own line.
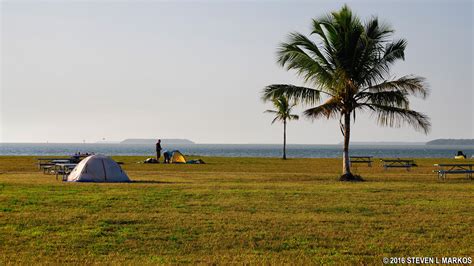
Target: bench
45 167
63 169
48 169
397 163
361 159
454 168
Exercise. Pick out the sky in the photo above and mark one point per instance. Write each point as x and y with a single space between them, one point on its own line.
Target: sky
110 70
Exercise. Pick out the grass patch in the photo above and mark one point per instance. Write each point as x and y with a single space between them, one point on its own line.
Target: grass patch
234 210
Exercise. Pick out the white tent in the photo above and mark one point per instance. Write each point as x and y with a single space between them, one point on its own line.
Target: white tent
98 168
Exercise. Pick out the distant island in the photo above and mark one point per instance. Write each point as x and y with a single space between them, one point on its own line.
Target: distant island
432 142
153 141
451 142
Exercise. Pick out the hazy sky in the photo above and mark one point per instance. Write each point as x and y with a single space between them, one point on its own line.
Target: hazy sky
107 69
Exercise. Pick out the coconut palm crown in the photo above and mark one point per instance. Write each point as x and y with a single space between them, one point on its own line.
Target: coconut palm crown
283 114
350 65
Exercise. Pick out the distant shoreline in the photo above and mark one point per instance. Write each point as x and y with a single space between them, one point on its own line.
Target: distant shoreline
451 142
381 143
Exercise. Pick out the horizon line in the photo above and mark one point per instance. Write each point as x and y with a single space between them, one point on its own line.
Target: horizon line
220 143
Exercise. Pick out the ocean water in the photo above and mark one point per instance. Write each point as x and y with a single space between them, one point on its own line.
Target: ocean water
237 150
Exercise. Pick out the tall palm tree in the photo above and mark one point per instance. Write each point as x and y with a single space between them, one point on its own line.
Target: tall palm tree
350 64
282 113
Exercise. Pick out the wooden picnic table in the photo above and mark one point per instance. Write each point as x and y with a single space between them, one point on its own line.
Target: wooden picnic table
361 159
61 161
49 161
397 163
63 169
454 168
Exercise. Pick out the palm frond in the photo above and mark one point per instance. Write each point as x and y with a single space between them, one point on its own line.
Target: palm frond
411 85
276 119
376 31
271 111
318 26
395 117
389 98
378 67
293 117
371 48
304 42
292 57
293 93
330 109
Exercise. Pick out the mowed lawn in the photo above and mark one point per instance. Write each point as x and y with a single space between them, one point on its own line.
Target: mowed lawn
234 210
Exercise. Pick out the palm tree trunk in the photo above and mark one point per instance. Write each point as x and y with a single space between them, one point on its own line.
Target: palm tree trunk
346 164
284 139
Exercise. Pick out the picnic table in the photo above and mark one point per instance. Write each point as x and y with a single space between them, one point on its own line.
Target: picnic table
454 168
398 163
42 162
49 168
61 161
47 164
361 159
63 169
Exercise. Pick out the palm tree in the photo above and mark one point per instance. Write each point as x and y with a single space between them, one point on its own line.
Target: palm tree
350 64
282 113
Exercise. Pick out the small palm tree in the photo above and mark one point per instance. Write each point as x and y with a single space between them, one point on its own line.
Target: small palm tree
282 113
350 64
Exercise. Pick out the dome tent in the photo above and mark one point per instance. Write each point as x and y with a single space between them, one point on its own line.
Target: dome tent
97 168
177 157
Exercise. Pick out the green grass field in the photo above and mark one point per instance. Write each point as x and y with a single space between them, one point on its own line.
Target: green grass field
234 210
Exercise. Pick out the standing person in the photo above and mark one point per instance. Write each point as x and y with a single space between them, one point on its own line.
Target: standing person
158 150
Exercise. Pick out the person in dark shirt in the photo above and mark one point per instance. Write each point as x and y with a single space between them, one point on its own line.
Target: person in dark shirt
158 150
167 156
460 153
